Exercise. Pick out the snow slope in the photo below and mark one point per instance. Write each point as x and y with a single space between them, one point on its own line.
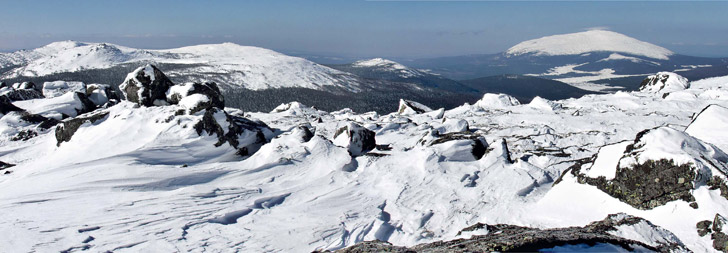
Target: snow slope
142 179
586 42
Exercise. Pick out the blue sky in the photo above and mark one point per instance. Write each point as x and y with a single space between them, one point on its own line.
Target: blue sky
360 28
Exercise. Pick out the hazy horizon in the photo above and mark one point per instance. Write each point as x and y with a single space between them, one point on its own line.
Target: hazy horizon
390 29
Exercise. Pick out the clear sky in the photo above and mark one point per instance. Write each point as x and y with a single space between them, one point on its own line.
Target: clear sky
360 28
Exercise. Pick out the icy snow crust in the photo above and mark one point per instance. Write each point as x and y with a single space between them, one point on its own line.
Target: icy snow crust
589 41
250 67
142 180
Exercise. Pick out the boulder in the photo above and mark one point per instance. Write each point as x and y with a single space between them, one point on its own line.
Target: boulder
664 82
196 96
20 94
101 94
68 127
407 107
357 139
58 88
25 86
496 101
453 126
245 135
660 166
146 86
456 146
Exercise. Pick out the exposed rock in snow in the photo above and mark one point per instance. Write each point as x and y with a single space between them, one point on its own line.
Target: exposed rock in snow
664 82
18 91
58 88
61 107
496 101
661 165
67 128
544 104
293 108
622 232
407 107
357 139
711 126
245 135
586 42
146 86
456 146
453 126
102 94
196 96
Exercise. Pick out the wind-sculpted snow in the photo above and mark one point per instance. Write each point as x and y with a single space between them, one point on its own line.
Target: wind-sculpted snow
162 178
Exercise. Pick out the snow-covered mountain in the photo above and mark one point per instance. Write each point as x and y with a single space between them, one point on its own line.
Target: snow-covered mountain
167 167
596 60
228 64
589 42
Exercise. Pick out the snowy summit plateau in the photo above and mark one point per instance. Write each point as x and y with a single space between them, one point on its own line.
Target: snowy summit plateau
590 141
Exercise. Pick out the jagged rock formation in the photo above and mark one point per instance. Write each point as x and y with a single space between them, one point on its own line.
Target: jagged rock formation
511 238
19 92
357 139
146 86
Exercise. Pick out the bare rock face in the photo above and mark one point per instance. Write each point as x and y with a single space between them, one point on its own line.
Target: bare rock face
511 238
146 86
356 138
20 91
245 135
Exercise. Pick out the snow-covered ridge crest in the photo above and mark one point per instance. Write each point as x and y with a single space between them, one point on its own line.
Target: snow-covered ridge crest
251 67
388 65
589 41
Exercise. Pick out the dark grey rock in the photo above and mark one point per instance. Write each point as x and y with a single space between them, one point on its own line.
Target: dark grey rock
703 227
68 127
511 238
357 139
209 89
153 90
245 135
24 94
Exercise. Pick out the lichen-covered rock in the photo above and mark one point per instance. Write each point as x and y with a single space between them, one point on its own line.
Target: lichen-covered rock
660 166
68 128
245 135
511 238
664 82
703 227
146 86
407 107
357 139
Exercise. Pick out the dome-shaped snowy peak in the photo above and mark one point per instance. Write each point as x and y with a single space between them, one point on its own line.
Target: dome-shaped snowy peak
589 41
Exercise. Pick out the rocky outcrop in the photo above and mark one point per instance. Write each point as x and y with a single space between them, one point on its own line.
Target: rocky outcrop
717 230
357 139
664 82
196 96
511 238
407 107
103 95
660 166
245 135
6 106
146 86
67 128
58 88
